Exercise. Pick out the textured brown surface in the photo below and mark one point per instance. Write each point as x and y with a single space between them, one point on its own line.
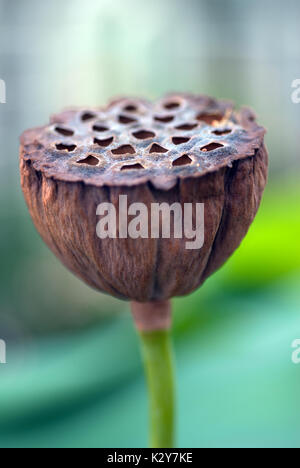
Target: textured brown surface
95 146
62 192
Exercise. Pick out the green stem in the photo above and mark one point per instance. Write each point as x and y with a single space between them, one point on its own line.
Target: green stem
158 362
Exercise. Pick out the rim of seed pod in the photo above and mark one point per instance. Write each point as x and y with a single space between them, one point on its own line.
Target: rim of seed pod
133 141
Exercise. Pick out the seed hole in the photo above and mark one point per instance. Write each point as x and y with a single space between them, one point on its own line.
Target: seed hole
90 161
103 143
62 147
87 116
132 166
180 140
172 105
130 108
212 147
222 132
124 119
100 128
155 148
143 134
124 149
64 131
187 126
164 118
184 160
209 118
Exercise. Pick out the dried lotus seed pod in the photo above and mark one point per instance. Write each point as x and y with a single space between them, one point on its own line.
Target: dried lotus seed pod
179 149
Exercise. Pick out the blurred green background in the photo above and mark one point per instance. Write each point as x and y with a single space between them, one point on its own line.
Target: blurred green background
74 376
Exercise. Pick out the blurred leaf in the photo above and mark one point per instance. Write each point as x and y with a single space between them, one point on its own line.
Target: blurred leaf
237 386
271 249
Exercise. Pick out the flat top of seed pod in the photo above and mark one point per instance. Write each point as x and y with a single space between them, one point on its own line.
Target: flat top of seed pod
133 141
